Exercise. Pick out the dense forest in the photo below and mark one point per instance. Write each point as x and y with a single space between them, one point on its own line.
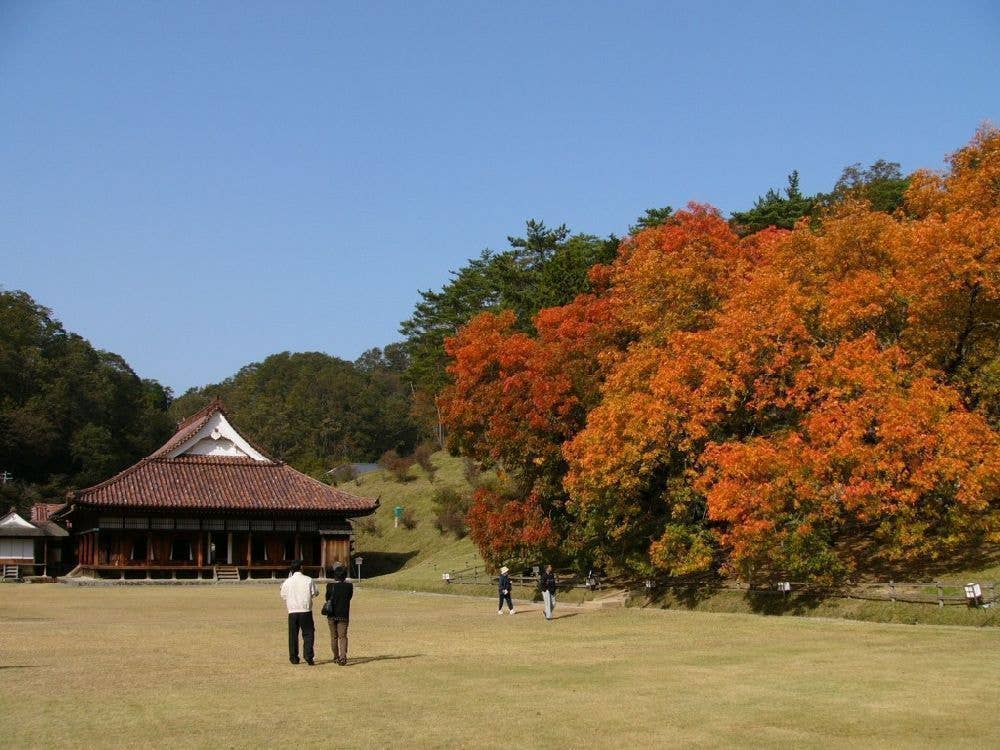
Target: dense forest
805 387
70 415
316 411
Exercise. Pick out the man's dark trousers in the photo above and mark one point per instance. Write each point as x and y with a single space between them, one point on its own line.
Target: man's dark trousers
301 621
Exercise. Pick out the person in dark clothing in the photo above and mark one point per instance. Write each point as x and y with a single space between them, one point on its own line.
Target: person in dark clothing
339 595
504 589
547 583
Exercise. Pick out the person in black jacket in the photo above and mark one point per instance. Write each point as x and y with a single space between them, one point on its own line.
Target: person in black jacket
547 583
339 594
504 589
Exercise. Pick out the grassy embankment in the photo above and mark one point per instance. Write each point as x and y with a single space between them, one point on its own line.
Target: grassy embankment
414 559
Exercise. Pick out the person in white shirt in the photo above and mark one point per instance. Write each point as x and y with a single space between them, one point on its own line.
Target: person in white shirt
298 591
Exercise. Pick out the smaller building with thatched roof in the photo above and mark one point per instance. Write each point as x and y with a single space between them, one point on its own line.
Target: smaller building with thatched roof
30 548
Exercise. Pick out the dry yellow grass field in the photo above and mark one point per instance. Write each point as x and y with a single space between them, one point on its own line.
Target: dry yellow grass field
207 667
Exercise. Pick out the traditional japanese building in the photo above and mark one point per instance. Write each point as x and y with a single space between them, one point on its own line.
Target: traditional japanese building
30 548
208 504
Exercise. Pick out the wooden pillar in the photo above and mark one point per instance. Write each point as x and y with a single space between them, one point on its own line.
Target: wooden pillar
45 557
150 555
97 547
249 552
199 557
298 547
322 556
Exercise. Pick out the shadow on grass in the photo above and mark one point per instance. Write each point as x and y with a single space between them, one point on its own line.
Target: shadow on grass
777 603
385 657
693 592
966 559
19 666
563 617
384 563
689 592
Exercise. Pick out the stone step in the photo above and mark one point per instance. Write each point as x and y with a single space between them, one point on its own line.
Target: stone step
227 573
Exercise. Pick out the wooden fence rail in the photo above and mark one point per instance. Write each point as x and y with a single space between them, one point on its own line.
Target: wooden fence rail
928 592
478 575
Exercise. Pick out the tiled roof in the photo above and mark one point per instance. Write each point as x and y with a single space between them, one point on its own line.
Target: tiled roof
196 482
41 511
220 483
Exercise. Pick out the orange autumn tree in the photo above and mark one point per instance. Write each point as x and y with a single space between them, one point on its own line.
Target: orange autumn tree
628 469
516 398
793 404
951 278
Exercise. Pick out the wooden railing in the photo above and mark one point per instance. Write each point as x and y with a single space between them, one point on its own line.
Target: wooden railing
941 593
478 575
22 570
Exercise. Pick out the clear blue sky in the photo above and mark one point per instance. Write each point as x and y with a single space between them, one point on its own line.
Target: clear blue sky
196 185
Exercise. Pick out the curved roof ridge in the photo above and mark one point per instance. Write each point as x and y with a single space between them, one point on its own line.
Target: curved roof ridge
111 480
209 458
206 411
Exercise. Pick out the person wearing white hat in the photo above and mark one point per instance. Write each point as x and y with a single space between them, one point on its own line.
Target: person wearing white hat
504 588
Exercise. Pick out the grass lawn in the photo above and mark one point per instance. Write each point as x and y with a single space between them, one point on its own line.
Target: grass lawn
206 666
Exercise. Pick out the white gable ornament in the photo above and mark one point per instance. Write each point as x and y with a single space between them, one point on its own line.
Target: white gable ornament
218 438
